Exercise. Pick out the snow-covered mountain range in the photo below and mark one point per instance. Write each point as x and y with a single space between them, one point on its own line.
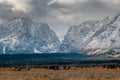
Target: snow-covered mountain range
22 35
93 37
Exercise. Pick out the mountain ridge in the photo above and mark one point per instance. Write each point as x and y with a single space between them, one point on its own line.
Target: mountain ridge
21 35
85 39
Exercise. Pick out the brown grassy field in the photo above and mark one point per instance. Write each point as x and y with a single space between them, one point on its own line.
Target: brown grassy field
71 74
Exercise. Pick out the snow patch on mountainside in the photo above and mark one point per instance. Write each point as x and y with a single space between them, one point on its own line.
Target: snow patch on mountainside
93 37
22 35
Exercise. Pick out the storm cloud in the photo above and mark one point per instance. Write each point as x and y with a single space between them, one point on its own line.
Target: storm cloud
59 14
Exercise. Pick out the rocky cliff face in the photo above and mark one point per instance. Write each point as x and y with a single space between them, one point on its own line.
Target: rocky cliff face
93 37
22 35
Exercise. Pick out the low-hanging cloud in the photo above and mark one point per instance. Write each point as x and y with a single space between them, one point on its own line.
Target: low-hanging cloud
59 13
18 5
60 9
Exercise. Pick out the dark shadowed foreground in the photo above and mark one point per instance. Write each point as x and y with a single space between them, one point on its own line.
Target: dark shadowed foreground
58 67
70 74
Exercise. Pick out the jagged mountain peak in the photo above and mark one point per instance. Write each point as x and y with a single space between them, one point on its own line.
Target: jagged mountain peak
93 37
43 25
22 35
83 25
115 19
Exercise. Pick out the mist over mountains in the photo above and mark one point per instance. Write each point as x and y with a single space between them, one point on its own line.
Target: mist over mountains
22 35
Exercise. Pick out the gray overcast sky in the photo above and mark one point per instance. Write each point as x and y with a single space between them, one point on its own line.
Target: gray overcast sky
59 14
